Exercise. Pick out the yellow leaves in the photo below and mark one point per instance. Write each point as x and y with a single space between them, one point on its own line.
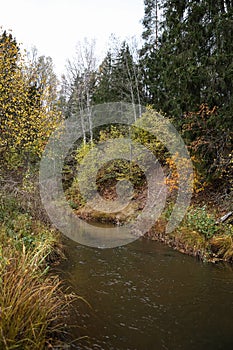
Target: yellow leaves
25 122
172 179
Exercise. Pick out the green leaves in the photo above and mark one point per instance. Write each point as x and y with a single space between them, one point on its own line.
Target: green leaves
199 220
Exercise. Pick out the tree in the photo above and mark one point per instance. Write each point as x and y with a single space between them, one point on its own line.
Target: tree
150 22
197 54
81 77
103 90
27 119
191 62
118 78
150 61
190 67
40 76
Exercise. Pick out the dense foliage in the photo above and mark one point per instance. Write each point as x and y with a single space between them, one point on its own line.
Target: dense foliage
32 301
188 73
185 70
28 111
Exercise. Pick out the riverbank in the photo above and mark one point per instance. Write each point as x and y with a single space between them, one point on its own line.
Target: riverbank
200 234
34 304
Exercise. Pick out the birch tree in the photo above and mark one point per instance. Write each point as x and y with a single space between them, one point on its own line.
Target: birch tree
81 77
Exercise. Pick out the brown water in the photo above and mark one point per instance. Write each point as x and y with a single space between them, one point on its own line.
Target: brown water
145 296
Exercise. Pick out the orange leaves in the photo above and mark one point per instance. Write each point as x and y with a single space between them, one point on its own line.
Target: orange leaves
174 178
209 138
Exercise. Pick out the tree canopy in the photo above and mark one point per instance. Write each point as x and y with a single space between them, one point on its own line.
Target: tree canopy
28 111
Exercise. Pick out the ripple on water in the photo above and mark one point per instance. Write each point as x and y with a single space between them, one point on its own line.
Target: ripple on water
146 296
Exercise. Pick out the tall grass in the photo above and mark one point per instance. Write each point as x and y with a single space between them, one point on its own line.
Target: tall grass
33 304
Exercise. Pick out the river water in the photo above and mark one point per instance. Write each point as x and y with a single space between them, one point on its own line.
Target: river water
146 296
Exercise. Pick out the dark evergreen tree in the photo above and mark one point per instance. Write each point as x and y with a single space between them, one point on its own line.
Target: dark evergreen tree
118 78
150 65
191 61
103 92
192 66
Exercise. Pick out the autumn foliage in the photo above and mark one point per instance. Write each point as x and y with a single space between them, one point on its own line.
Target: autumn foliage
27 114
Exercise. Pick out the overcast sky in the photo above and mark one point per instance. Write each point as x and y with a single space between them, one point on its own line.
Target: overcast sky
55 26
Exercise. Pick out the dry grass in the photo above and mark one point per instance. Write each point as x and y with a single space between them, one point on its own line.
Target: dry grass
192 241
35 309
32 304
222 247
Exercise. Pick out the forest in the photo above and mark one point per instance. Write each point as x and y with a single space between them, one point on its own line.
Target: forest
183 70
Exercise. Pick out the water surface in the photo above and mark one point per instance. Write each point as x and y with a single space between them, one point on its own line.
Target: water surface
146 296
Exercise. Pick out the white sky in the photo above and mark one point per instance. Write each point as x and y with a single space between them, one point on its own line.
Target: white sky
55 26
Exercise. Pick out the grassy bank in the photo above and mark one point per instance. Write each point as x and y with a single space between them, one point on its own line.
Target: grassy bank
34 306
200 234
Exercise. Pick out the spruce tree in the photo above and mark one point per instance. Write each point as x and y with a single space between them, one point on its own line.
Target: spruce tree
103 92
192 63
117 78
192 66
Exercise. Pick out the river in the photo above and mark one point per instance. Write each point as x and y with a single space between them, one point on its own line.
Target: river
146 296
